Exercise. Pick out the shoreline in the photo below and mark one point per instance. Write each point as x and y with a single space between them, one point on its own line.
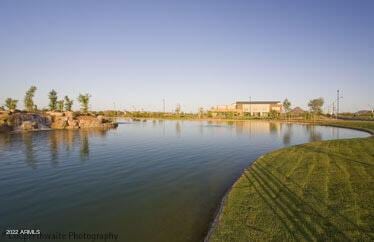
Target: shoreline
222 203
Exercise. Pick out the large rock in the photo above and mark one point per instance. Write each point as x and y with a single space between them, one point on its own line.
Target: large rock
88 122
69 114
29 125
59 123
100 118
73 124
55 114
23 121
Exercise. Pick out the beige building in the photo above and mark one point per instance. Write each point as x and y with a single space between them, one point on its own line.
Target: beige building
255 108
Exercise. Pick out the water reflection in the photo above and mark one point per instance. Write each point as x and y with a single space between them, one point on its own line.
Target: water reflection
85 145
273 128
314 134
287 133
57 142
61 144
178 129
29 149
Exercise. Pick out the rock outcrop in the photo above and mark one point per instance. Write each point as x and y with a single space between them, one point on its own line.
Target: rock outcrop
22 121
29 121
29 125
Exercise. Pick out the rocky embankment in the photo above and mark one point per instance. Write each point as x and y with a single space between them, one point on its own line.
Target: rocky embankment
21 121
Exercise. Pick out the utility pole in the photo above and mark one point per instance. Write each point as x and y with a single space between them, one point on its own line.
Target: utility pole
250 105
337 103
163 105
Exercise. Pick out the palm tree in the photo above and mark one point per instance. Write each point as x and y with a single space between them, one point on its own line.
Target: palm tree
11 104
60 105
52 100
84 101
29 99
286 106
68 103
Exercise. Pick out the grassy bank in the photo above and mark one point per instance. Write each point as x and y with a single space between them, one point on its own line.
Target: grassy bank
316 191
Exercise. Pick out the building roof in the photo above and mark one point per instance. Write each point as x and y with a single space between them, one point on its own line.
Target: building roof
258 102
363 112
297 110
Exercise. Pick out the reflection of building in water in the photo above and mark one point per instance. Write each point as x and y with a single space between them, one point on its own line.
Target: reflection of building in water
257 127
255 108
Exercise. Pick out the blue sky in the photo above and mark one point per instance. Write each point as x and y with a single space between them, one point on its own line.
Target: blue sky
132 54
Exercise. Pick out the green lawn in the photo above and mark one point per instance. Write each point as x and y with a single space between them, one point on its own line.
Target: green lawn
316 191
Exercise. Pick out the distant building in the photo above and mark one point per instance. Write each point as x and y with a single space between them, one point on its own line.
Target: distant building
255 108
297 111
361 112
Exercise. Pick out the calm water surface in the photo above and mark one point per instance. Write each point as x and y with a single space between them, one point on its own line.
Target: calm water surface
147 181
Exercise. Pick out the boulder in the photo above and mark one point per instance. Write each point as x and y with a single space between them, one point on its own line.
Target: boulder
59 123
88 122
55 114
28 125
73 124
100 118
69 114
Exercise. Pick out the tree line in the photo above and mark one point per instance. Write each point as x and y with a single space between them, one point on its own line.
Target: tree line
65 104
55 104
315 105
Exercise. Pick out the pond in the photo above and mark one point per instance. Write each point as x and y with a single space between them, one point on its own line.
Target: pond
146 181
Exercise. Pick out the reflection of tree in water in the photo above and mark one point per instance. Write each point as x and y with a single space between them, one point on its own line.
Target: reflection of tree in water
5 139
53 144
230 123
273 127
55 140
69 137
85 146
314 135
100 132
287 134
29 149
178 128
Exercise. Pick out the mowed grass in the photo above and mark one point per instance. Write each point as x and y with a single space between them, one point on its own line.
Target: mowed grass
320 191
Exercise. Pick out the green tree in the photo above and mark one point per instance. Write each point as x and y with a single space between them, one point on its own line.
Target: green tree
52 99
286 105
273 114
68 103
60 105
315 105
84 101
10 103
29 99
